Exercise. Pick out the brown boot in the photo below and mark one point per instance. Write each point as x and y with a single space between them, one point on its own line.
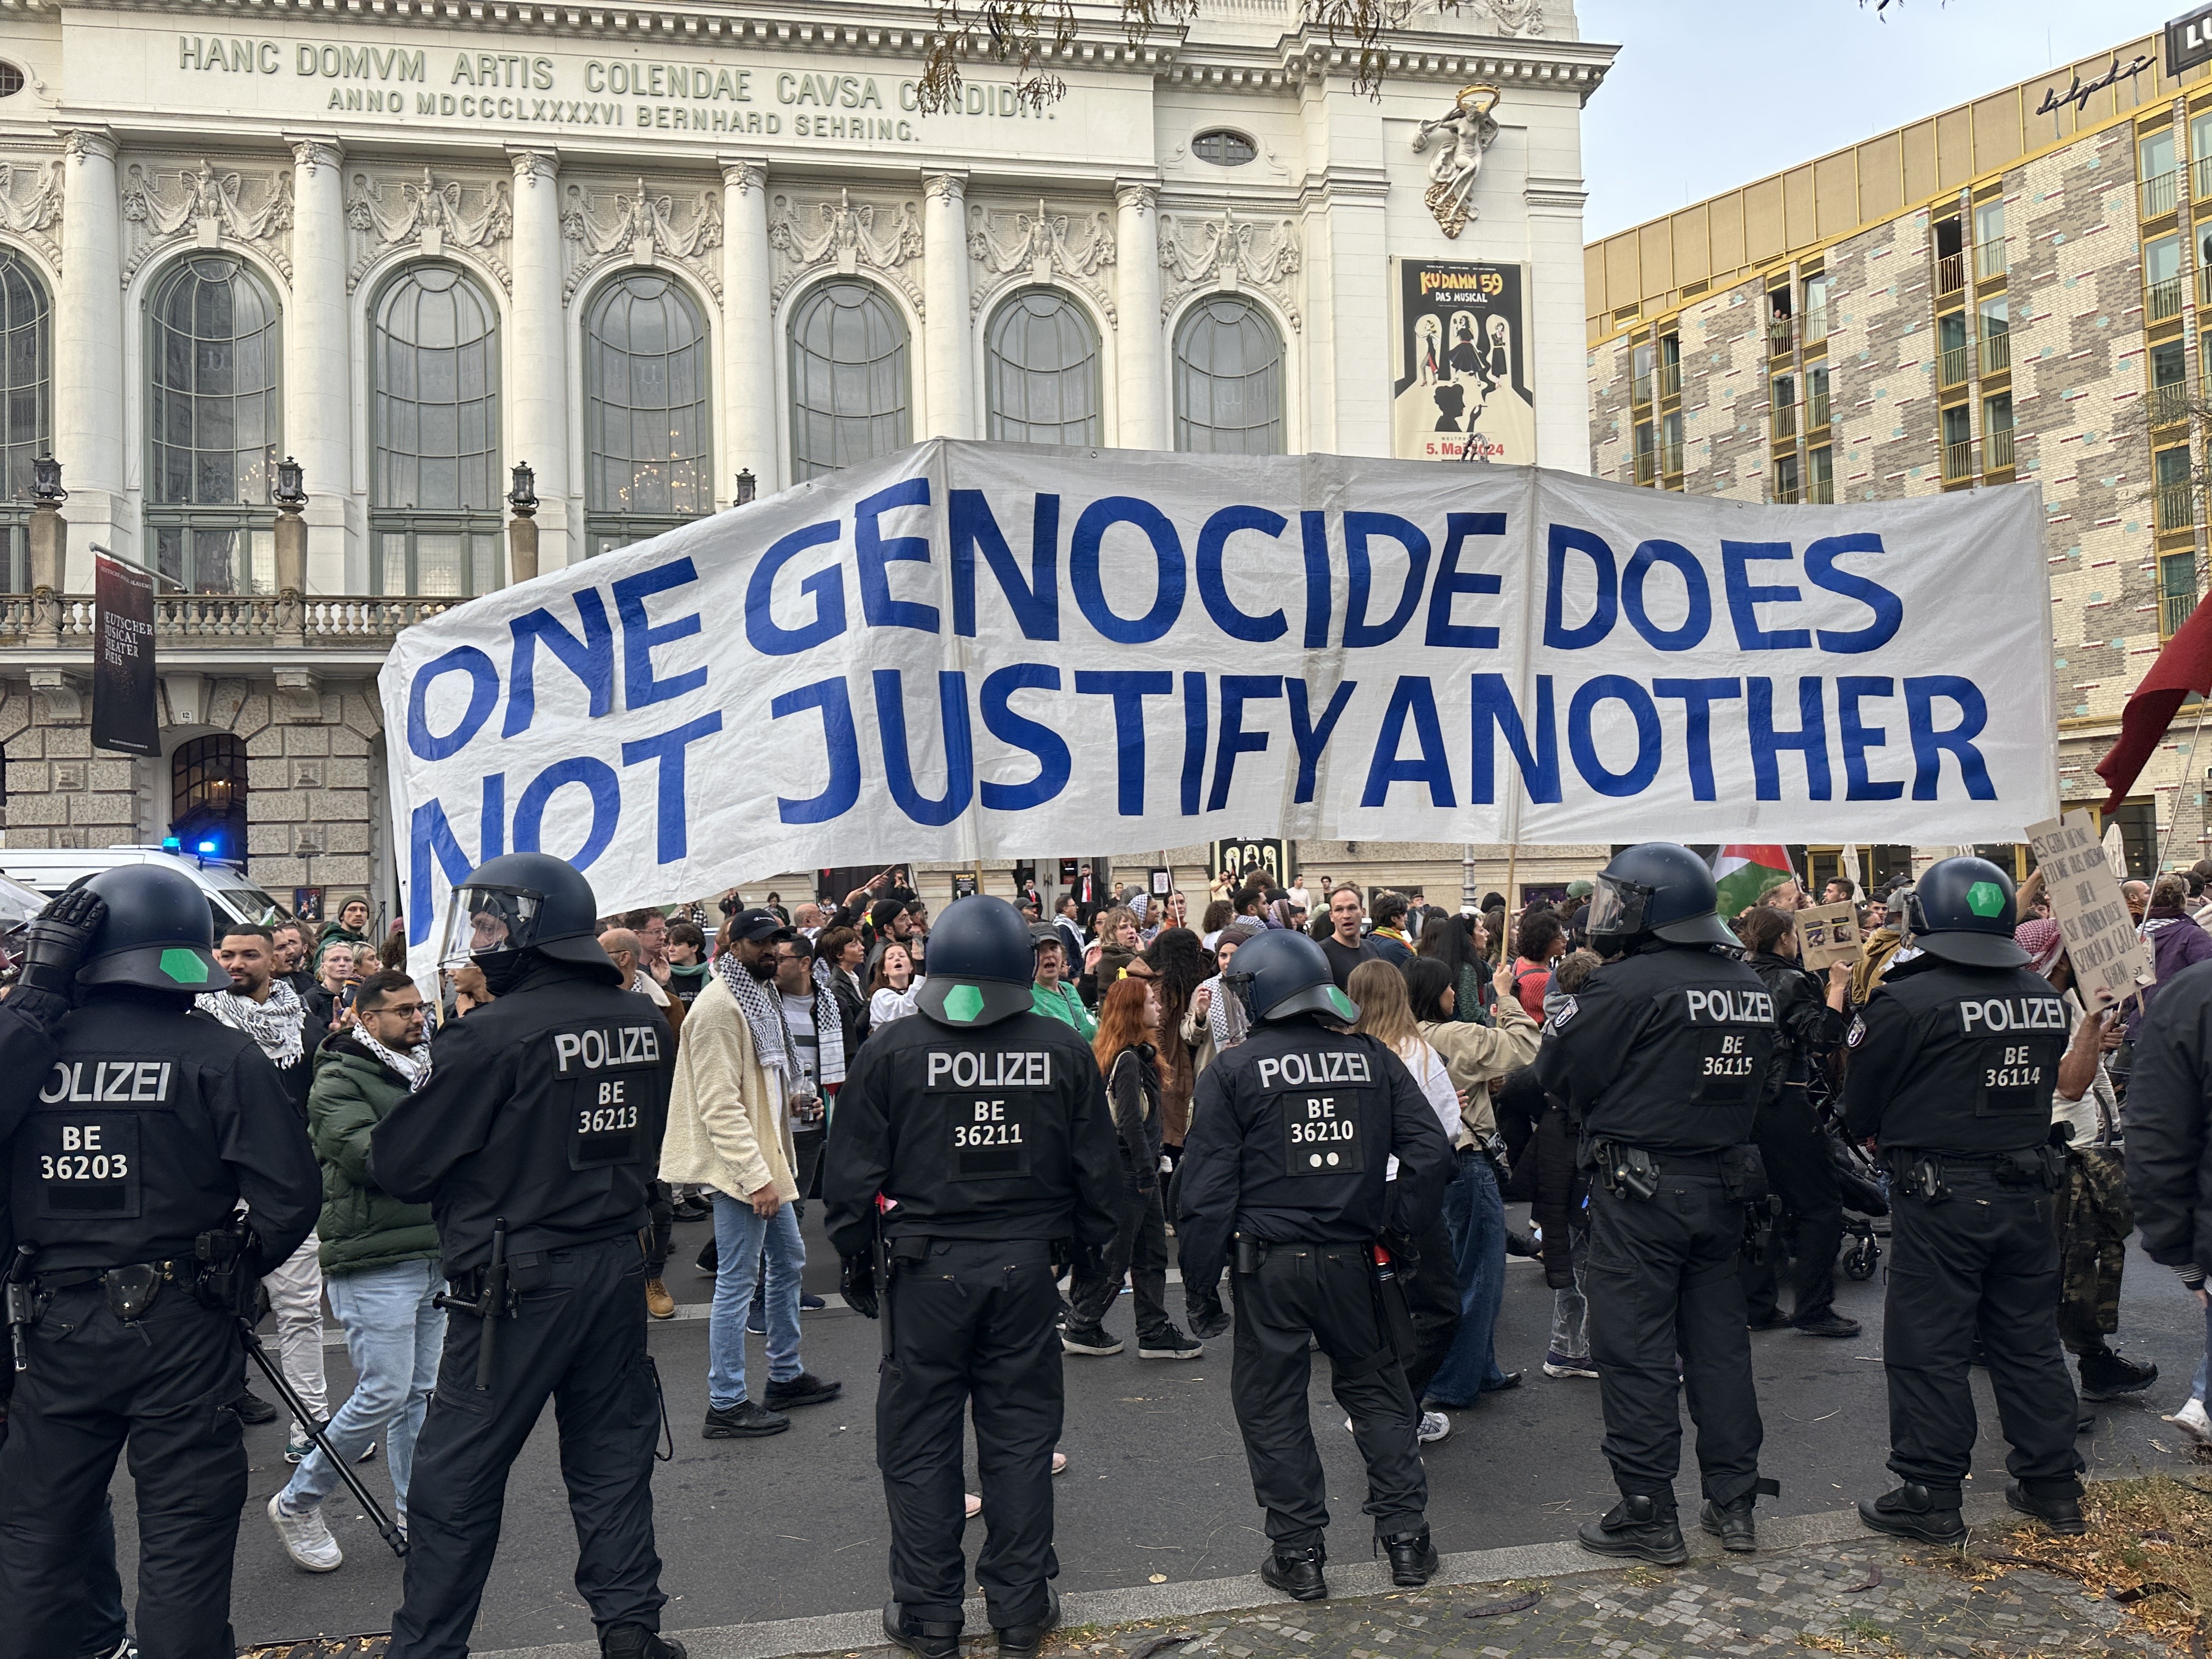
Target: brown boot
658 1302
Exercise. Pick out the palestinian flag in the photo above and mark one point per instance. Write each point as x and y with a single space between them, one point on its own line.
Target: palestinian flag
1747 874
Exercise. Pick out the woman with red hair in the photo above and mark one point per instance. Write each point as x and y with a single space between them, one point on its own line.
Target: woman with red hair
1128 1021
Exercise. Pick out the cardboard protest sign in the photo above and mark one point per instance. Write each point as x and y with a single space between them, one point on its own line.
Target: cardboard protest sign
1826 934
2110 960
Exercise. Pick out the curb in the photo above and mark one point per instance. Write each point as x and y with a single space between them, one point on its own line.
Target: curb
857 1632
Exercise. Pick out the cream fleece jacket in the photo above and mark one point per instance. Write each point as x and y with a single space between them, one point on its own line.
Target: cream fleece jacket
727 1126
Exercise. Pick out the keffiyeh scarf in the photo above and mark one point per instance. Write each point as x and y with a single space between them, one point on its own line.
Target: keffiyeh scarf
274 1025
1225 1016
414 1065
763 1013
828 1028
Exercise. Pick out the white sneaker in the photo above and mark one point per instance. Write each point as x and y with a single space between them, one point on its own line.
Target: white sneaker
1435 1425
2191 1421
305 1537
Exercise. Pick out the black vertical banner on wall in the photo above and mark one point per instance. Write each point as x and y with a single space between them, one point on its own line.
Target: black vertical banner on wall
123 713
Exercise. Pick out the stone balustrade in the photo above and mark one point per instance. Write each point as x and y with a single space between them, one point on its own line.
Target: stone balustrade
225 619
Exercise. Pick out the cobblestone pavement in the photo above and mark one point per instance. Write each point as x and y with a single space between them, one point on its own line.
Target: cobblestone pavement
1875 1597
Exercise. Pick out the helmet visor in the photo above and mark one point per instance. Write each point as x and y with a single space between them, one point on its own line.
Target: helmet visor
485 921
1618 907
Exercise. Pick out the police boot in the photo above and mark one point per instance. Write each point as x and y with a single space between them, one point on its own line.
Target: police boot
922 1638
636 1642
2107 1375
2062 1513
1296 1573
1636 1526
1913 1511
1022 1641
1732 1523
1414 1558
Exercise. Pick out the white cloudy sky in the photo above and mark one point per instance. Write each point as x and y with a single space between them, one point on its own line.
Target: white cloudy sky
1707 94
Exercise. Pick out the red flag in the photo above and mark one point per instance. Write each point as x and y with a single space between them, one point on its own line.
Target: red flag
2184 666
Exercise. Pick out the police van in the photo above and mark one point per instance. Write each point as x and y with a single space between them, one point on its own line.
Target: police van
231 897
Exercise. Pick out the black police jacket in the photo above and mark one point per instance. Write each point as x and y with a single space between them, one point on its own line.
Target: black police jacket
1666 1049
2170 1122
1949 1059
1806 1026
997 1133
143 1129
1291 1135
545 1107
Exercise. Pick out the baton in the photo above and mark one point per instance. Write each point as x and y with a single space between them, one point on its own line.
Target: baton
317 1433
19 1304
488 1304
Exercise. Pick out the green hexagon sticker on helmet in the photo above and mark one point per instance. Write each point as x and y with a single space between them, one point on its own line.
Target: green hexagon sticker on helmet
187 967
1985 899
963 1003
1345 1007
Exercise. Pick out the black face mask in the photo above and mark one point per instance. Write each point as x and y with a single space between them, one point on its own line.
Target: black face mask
505 970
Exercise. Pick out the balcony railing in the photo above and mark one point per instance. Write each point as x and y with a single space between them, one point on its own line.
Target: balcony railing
1785 492
1670 459
1997 451
1670 380
2169 403
1639 389
2176 504
1958 461
2161 192
1782 422
2204 286
2173 610
1989 259
1951 367
2200 179
1950 273
1778 336
1816 412
228 620
2162 301
1647 466
1996 353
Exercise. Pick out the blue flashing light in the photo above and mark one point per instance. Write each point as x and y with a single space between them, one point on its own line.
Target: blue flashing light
208 848
171 844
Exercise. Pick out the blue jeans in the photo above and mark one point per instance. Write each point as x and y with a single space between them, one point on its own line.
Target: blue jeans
741 1239
2197 1391
394 1336
1476 1216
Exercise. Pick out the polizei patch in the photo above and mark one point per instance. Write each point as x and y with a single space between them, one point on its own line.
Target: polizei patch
2012 1014
988 1068
1301 1071
1728 1007
598 1049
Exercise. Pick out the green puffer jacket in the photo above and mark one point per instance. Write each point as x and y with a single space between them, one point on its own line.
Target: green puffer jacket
362 1226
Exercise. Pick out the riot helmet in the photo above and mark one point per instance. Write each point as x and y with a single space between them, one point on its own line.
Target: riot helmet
1961 910
159 932
1283 974
1658 888
524 902
980 965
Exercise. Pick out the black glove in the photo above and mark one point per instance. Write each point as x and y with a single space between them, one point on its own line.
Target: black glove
57 937
856 1283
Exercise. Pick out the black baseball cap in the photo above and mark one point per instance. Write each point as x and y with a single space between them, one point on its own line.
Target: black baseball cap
759 925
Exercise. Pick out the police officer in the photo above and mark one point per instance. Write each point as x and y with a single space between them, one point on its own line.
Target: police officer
535 1142
1661 1060
1951 1066
967 1145
1287 1169
139 1134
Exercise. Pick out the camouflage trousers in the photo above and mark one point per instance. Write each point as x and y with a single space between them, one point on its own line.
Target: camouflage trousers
2094 1218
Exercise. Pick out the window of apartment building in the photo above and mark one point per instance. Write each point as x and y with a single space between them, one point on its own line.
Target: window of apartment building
2138 822
1647 451
1951 348
1670 365
1670 442
851 398
1950 262
1815 327
212 425
1995 318
436 517
2200 153
2170 468
2161 279
645 413
1640 358
1041 371
1777 320
1958 443
2177 591
2169 396
1228 379
1989 240
2155 165
1785 477
1997 432
1816 399
1782 403
1820 474
26 405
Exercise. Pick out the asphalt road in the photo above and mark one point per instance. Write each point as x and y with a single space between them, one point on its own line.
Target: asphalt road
793 1525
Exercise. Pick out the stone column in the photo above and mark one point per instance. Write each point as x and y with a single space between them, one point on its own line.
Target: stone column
89 355
1140 385
1558 354
749 398
949 391
318 360
538 355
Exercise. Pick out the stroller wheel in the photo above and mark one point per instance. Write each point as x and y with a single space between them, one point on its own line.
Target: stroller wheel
1862 1259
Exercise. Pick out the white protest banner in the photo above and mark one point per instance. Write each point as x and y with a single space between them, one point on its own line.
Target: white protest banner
2110 960
968 651
1828 934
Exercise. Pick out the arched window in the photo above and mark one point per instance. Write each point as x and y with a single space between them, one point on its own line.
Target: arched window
27 402
436 517
849 399
645 375
1041 371
212 420
1228 379
207 795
